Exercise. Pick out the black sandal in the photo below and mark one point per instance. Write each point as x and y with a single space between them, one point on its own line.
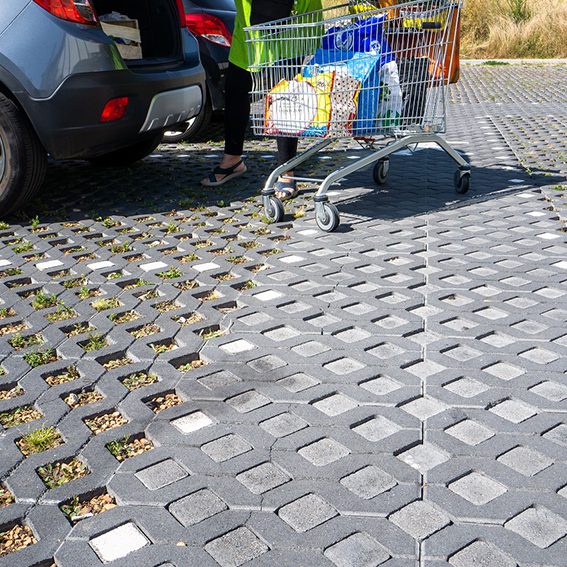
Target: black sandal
228 172
288 187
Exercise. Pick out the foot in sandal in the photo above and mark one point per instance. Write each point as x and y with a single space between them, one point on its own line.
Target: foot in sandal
227 170
286 188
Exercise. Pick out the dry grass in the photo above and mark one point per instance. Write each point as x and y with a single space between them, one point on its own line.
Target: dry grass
514 28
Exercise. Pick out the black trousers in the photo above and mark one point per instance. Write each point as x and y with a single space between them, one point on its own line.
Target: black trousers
237 114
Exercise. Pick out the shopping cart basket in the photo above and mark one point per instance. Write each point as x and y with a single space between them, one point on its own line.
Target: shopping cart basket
376 75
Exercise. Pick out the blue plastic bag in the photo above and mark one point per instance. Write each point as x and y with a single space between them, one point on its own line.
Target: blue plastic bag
358 50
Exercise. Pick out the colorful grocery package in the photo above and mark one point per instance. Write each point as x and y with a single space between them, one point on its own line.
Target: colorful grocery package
300 107
350 87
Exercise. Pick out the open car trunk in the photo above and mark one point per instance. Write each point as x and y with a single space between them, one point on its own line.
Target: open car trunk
146 32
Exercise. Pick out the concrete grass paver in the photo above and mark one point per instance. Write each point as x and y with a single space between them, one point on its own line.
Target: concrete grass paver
391 393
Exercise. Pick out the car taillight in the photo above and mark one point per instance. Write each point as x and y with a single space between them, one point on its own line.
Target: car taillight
210 28
78 11
114 109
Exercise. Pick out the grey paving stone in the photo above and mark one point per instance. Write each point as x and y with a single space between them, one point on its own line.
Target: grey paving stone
248 401
466 387
306 513
425 369
368 482
226 448
357 550
423 408
298 382
219 379
283 424
310 348
514 411
197 507
424 457
470 432
335 404
550 390
377 428
161 474
505 371
324 452
539 526
420 519
481 554
236 548
344 366
526 461
557 434
381 386
267 363
262 478
478 488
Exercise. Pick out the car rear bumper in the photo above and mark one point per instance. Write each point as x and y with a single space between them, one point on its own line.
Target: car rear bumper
68 123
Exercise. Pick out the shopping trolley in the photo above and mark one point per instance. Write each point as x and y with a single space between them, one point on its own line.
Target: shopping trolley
378 75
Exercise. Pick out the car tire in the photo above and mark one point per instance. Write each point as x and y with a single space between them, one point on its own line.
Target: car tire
193 129
23 161
129 154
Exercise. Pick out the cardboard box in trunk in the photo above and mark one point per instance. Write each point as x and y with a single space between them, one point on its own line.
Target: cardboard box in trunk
126 35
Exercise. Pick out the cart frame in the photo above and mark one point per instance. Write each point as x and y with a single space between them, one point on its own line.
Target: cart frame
326 214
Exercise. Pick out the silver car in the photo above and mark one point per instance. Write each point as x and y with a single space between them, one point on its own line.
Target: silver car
90 79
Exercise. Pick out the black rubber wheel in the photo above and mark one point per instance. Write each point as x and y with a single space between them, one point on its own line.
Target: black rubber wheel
462 182
327 216
23 161
192 129
274 209
129 154
380 171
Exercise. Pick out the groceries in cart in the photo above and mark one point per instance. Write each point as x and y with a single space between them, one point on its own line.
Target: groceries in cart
349 87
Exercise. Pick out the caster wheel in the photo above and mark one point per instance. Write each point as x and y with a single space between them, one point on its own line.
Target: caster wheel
273 208
380 171
462 181
327 216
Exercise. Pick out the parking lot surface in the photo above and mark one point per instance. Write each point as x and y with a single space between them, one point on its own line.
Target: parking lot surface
182 383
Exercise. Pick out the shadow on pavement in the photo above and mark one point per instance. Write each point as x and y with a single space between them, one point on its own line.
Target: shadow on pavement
170 180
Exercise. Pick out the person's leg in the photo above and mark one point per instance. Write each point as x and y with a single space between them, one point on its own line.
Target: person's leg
238 84
287 149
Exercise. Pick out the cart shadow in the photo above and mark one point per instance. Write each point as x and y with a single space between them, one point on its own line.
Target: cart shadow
170 180
423 183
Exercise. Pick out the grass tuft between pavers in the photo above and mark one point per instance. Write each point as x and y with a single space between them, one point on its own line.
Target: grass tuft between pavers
129 446
39 440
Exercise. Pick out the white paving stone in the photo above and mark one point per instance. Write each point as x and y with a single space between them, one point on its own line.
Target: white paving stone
118 542
152 266
192 422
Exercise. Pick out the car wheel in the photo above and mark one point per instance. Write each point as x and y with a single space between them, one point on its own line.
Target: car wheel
192 129
23 161
129 154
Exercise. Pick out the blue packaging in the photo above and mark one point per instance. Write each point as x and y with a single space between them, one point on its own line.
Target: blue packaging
359 50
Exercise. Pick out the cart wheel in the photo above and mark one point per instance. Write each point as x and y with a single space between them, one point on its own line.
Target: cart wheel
327 216
462 181
380 172
273 208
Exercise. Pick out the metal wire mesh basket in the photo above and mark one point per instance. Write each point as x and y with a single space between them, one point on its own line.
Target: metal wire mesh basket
354 70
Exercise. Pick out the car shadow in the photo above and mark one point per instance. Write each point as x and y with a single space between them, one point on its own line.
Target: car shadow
170 178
